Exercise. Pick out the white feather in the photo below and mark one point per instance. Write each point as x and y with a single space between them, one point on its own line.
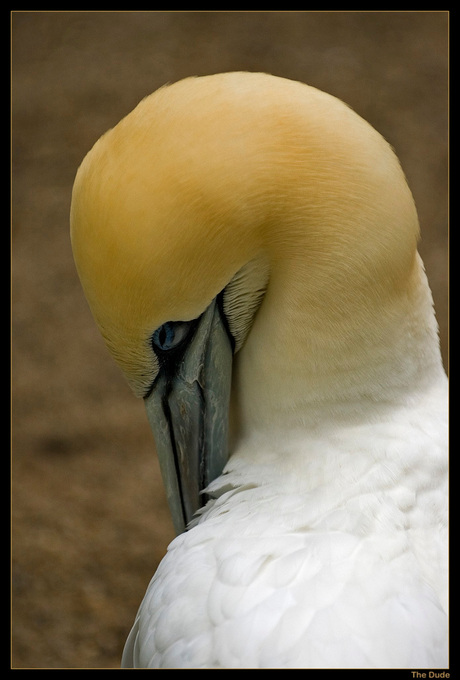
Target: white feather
324 544
336 559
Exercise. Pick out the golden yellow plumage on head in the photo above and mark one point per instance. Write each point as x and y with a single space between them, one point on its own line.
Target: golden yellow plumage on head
211 173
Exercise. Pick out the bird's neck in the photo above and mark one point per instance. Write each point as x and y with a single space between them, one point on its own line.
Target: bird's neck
303 367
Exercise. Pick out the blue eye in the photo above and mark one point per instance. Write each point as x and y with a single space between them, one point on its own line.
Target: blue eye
170 335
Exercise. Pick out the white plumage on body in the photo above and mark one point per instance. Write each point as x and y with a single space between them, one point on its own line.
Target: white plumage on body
326 563
247 245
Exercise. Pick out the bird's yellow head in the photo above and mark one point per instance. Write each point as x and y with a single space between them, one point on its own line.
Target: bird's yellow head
214 194
211 173
165 212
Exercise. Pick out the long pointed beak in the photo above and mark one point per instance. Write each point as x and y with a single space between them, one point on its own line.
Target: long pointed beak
188 414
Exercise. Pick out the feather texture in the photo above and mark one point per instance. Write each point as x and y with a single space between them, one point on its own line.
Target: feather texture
324 542
335 559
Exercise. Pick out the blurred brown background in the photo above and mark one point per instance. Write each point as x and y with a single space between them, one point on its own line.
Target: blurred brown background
90 521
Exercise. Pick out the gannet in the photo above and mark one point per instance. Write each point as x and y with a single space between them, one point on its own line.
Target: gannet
248 247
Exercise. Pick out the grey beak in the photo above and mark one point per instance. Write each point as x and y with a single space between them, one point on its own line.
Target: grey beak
188 414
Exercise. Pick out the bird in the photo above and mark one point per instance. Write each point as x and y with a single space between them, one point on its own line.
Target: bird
248 247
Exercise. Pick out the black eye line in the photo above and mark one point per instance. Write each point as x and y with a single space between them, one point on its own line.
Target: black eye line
162 335
168 358
190 330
